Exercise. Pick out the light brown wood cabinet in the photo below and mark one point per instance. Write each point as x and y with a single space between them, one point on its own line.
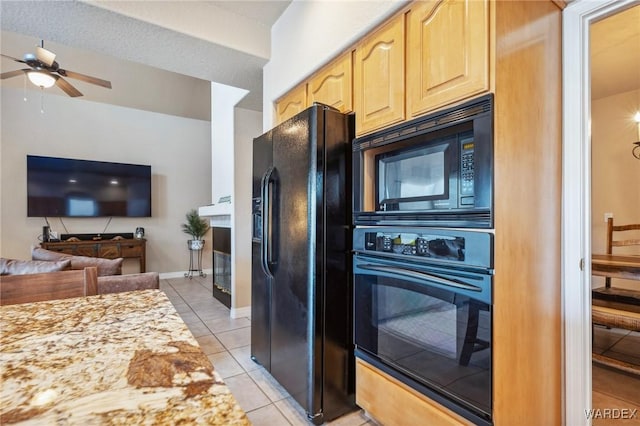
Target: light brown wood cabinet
391 402
291 103
333 85
525 46
447 53
379 77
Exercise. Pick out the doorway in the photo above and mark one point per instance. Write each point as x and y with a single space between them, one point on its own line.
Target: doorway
615 99
577 200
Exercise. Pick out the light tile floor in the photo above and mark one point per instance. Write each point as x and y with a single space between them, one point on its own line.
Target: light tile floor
226 342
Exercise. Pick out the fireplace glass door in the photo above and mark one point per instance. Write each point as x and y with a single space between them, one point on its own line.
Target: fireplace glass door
222 265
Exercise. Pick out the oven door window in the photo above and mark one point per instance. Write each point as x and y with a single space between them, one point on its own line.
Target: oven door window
438 336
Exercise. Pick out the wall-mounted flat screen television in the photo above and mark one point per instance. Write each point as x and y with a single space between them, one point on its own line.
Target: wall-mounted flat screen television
64 187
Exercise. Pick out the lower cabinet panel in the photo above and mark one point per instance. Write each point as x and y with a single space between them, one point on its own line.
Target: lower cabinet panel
391 403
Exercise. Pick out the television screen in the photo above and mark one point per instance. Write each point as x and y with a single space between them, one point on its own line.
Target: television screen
81 188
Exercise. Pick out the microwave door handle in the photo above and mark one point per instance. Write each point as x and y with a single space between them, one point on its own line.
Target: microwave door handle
266 229
419 275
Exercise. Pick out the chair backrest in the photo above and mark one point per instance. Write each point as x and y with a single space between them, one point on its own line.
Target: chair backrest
611 243
611 228
28 288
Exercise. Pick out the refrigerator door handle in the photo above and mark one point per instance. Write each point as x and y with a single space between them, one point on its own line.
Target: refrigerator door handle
265 243
272 194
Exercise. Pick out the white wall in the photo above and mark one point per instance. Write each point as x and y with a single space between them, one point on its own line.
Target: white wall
309 34
248 125
615 172
178 150
223 101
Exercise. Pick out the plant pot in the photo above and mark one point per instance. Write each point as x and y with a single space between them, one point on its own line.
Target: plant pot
195 244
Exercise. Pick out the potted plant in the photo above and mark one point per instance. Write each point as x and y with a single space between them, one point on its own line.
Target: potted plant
197 227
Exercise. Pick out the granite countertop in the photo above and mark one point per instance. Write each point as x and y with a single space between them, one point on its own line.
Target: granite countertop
124 358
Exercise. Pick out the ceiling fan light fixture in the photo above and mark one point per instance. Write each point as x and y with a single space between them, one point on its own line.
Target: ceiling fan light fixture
41 78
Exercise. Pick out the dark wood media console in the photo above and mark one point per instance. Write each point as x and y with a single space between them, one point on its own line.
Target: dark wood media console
107 249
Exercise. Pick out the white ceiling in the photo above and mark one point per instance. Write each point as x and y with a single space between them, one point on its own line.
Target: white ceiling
223 41
615 54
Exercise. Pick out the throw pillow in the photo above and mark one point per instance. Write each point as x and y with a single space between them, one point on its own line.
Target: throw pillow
105 266
21 267
38 253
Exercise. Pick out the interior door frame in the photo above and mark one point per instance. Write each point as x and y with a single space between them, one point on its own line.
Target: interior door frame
576 201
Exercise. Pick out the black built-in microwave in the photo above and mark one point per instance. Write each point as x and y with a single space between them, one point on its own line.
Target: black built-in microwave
436 170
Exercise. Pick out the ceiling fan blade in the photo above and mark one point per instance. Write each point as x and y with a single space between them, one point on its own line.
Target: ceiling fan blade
12 58
10 74
67 87
85 78
45 56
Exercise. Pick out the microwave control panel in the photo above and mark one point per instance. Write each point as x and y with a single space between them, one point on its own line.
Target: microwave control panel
466 171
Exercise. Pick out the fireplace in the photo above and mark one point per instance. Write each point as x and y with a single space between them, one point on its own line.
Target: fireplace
222 265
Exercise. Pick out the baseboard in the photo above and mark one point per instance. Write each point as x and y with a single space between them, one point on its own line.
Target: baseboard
180 274
245 311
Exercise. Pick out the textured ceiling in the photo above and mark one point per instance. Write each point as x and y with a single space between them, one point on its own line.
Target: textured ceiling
97 29
134 85
175 36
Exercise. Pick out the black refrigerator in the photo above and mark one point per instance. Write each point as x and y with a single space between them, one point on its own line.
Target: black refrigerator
301 289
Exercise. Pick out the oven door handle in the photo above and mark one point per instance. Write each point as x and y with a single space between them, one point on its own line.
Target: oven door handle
419 275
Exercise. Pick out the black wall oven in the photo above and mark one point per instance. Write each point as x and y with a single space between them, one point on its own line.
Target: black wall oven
423 309
436 170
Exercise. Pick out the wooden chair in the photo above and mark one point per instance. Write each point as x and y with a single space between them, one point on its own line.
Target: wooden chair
616 307
611 243
617 294
28 288
615 315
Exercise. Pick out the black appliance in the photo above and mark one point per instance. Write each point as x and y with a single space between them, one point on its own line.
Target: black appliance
81 188
423 312
222 264
436 170
301 290
97 237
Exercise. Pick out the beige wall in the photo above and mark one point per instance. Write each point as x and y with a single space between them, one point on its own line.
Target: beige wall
178 150
615 172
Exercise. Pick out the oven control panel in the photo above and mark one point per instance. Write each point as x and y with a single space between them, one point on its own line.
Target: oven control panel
409 244
473 248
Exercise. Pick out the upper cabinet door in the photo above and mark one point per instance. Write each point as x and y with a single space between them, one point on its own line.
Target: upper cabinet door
447 54
291 103
379 78
333 85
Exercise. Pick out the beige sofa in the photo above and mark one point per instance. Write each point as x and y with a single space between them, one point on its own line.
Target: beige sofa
110 279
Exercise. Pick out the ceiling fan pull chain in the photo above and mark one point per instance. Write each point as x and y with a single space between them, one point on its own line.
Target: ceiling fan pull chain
41 100
24 88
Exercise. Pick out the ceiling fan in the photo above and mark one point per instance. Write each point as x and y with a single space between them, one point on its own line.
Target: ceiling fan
44 72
